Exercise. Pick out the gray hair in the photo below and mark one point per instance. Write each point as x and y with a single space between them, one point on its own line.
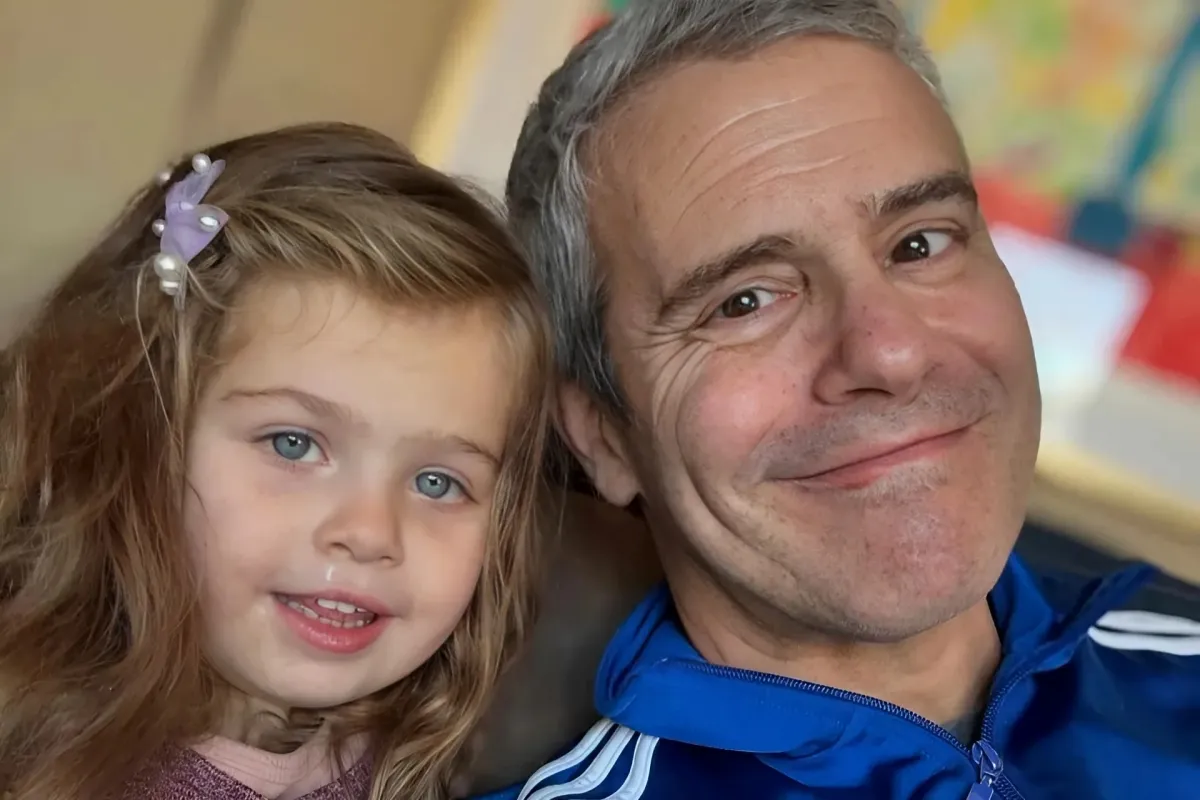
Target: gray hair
548 182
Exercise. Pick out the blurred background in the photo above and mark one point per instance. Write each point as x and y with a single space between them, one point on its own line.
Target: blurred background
1080 116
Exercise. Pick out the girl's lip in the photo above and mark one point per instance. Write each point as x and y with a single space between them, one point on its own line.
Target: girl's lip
332 638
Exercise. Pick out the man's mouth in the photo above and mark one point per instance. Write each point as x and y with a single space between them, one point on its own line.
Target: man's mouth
866 467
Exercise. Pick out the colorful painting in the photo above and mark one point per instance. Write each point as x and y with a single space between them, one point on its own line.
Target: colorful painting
1081 118
1050 93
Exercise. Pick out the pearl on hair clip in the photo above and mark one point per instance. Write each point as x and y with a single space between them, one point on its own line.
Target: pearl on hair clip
170 287
209 222
168 267
158 226
201 163
162 177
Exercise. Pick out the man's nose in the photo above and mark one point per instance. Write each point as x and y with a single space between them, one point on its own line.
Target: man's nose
366 527
880 345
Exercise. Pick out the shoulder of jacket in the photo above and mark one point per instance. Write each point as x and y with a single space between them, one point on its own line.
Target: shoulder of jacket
608 755
1149 631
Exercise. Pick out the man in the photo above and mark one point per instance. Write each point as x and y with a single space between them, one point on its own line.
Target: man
785 333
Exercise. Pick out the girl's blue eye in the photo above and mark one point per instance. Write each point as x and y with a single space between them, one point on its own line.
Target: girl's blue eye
295 446
437 485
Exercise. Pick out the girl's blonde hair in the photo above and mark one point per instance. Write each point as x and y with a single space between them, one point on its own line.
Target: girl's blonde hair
100 656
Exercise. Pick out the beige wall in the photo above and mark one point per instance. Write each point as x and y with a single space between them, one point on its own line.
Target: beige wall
91 100
492 74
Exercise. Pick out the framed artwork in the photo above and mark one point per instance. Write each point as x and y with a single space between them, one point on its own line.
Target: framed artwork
1080 118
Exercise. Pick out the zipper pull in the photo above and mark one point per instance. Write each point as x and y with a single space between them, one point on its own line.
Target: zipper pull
990 766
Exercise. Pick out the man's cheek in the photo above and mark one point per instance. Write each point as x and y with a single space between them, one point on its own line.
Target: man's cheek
731 409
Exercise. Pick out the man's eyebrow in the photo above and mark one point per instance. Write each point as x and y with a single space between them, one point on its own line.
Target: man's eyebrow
314 404
702 279
953 185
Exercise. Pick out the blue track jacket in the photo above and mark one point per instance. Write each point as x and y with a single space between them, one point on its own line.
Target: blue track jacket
1089 703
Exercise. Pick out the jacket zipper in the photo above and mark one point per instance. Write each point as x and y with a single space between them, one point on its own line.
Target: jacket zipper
990 768
988 762
991 782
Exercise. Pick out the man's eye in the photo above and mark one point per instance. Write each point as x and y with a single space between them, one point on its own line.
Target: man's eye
920 246
745 303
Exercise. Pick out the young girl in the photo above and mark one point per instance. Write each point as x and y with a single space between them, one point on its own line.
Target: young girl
269 466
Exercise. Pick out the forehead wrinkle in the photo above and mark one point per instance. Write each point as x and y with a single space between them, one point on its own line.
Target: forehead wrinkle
770 176
642 118
776 115
732 122
761 142
738 171
758 148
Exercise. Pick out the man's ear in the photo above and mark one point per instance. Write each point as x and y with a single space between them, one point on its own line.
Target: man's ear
597 443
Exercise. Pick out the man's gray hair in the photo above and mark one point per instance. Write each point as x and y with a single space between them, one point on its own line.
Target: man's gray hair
547 191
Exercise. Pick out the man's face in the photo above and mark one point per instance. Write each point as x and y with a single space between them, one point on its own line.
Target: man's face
834 404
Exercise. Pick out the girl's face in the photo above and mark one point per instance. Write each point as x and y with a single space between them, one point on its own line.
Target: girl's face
342 466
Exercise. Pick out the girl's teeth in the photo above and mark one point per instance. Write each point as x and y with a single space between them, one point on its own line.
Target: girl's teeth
308 612
305 610
335 605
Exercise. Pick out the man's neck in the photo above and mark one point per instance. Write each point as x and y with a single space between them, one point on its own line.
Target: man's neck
942 674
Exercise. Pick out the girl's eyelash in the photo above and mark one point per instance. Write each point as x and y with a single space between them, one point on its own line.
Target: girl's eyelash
266 442
458 483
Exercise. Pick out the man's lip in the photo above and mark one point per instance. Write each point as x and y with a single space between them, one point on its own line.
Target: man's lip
365 602
884 455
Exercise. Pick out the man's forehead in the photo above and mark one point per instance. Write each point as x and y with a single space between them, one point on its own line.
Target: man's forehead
712 148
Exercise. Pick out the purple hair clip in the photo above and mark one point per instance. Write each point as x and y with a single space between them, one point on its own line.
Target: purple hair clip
189 226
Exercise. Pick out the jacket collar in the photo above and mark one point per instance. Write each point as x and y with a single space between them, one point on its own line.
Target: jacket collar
653 680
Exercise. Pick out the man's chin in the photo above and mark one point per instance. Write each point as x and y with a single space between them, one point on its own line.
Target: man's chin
897 621
891 596
900 606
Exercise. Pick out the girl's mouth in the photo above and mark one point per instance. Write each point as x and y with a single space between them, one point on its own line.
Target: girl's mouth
335 613
334 626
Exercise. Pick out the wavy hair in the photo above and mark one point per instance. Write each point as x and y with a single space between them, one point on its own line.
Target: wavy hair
101 664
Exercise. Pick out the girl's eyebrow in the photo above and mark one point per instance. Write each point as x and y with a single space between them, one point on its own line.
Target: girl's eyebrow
325 408
455 441
315 404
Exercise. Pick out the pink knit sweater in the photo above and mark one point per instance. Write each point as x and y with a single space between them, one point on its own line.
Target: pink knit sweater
236 772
